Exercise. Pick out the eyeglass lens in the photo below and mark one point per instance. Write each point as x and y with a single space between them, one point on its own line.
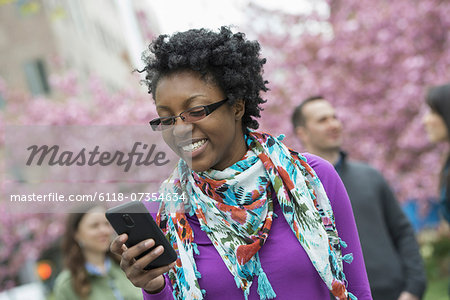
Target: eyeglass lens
189 116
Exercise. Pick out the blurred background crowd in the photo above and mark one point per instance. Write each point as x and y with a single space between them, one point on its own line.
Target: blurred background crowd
66 62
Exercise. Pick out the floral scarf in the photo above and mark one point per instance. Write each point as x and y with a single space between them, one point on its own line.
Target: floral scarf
235 209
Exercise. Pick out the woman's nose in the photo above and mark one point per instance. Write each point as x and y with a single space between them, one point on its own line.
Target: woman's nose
181 128
106 228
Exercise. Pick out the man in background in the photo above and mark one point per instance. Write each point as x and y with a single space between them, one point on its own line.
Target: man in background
391 253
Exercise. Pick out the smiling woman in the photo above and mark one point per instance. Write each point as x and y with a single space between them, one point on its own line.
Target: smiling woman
207 90
92 271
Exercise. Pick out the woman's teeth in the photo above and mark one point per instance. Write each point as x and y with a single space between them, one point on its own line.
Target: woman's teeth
193 146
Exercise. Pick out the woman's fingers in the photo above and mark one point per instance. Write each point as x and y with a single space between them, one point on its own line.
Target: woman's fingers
142 262
148 280
118 244
134 269
136 250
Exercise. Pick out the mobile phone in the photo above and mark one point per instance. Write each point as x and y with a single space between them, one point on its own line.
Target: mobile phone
134 219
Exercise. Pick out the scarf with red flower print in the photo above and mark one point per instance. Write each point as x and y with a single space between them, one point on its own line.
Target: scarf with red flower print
235 210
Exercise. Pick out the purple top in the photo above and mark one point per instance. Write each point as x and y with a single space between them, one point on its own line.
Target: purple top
283 259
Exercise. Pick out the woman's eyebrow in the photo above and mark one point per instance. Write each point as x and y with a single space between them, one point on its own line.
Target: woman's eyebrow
186 102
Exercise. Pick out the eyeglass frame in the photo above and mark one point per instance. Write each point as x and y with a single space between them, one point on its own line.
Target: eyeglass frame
207 108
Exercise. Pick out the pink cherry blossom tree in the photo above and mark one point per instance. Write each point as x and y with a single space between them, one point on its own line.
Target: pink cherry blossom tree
374 60
24 235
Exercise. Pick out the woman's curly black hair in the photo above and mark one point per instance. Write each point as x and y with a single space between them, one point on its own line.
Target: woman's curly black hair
230 61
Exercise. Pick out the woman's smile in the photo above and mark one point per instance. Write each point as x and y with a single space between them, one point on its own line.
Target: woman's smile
191 146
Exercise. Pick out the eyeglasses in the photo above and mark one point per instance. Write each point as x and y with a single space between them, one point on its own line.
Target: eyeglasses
189 116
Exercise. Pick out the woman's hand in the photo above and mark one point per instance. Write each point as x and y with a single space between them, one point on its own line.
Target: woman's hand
150 280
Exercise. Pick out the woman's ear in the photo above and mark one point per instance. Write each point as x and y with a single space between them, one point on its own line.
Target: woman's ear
239 109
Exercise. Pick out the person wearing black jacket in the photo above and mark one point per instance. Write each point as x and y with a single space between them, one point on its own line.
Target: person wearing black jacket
391 253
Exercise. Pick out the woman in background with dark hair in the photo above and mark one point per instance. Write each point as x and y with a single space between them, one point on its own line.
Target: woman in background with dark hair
92 270
437 125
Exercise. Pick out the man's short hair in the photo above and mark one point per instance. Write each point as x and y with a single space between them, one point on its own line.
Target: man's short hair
298 119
